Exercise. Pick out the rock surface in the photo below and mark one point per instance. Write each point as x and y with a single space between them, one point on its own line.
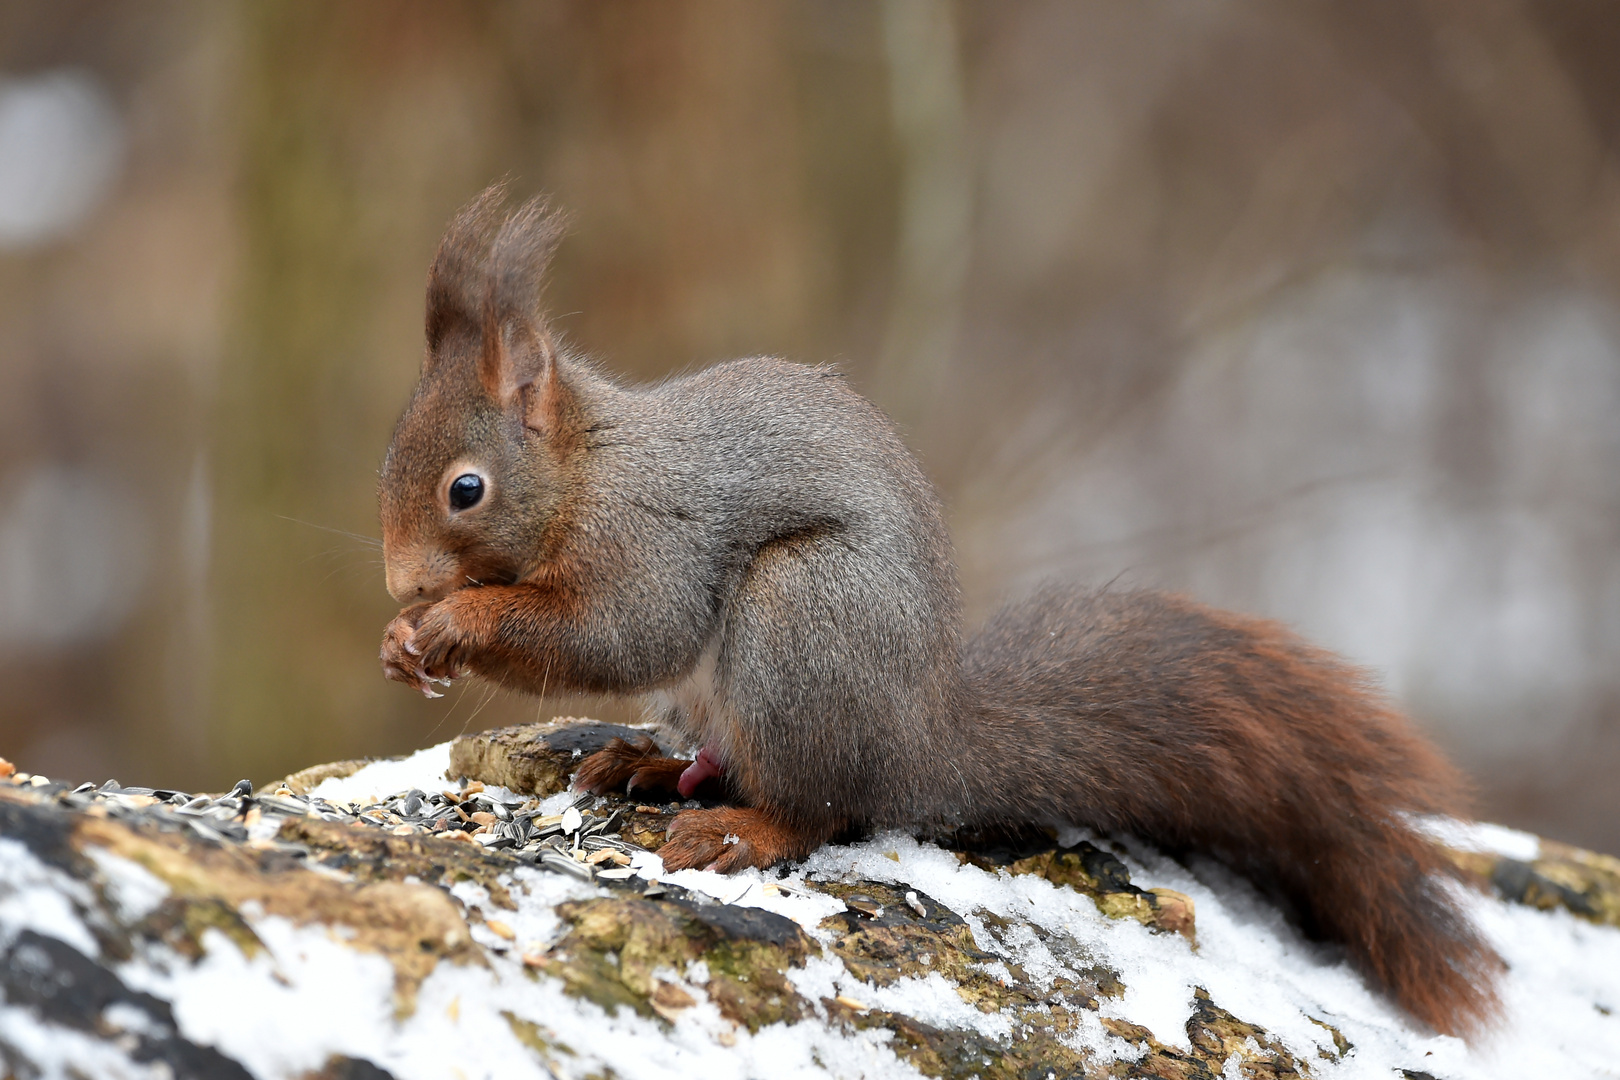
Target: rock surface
388 919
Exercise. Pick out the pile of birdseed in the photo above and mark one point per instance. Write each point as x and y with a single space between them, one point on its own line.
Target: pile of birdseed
578 840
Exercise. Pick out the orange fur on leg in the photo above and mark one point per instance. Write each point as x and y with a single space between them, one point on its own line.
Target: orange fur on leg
731 839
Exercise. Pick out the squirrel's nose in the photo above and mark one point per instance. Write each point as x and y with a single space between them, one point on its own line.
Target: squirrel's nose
420 575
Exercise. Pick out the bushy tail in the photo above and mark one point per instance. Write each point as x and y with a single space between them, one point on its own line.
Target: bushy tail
1385 899
1199 730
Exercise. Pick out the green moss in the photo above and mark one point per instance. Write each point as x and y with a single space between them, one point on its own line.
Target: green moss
1341 1045
1583 883
618 953
894 941
1218 1035
1096 873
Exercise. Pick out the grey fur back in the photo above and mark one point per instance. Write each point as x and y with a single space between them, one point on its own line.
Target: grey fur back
801 554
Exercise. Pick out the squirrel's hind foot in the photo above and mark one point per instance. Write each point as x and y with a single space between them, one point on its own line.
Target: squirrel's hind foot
630 767
731 838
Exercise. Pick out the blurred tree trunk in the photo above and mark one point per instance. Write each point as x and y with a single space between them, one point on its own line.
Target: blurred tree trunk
296 601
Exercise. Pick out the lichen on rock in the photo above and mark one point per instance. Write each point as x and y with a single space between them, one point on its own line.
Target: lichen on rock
1584 883
377 857
413 926
638 952
1088 869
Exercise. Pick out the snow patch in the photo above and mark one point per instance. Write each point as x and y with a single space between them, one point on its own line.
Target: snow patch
1480 836
784 895
41 898
283 1012
424 770
556 804
134 891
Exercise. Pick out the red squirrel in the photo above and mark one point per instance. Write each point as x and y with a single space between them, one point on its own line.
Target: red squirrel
754 552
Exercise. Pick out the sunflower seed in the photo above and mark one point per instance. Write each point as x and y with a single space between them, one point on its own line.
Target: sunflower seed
566 865
604 824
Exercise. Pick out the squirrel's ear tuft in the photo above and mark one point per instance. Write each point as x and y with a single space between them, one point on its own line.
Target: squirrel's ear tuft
518 350
456 281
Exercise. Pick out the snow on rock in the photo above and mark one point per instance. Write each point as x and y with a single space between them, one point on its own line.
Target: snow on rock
387 915
424 769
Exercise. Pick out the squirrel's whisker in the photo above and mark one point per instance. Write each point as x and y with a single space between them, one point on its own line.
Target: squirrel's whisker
370 541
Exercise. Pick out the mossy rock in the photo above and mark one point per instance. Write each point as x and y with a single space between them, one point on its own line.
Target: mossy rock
1088 869
658 951
410 924
1583 883
1219 1042
638 953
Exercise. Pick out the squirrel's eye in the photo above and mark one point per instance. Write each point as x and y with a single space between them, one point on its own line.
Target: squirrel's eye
465 491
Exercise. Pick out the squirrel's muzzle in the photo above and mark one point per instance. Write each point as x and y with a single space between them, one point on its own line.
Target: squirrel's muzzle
417 575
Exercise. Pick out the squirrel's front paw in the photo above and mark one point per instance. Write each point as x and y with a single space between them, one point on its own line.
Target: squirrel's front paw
730 839
443 642
423 645
400 662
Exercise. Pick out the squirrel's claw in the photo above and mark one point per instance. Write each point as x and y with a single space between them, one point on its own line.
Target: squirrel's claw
419 656
400 659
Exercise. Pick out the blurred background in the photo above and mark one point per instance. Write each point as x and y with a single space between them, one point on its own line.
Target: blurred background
1312 310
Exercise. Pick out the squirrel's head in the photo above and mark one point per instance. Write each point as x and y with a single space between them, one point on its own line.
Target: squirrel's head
473 474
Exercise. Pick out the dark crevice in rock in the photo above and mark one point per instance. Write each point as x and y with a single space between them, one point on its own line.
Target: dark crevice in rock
44 831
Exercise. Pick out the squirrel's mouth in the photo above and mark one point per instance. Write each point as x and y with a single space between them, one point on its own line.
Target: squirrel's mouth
475 577
430 574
